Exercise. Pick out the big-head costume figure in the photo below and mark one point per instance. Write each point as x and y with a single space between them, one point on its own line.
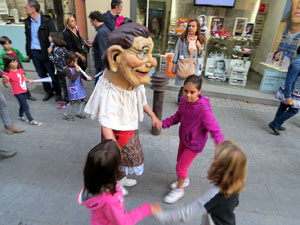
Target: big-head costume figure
118 100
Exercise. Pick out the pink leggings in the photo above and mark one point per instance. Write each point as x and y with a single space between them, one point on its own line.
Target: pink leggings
185 157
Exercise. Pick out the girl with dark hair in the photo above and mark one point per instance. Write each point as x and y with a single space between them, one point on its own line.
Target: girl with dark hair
56 55
189 45
196 120
15 76
227 175
76 91
119 99
102 193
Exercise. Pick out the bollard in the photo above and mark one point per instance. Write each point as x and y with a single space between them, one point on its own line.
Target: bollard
159 82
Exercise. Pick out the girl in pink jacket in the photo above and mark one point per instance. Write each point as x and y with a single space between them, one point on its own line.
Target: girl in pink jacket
101 192
196 120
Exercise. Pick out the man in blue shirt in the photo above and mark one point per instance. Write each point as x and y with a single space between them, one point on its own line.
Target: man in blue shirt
37 29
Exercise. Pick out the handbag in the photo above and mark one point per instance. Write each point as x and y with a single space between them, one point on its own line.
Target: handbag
186 67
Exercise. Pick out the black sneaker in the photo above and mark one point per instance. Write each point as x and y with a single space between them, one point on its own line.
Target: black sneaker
47 97
274 129
31 98
281 128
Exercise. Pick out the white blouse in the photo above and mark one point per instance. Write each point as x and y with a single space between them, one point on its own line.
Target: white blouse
115 107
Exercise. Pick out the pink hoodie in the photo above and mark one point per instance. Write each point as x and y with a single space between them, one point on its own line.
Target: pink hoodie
109 209
196 120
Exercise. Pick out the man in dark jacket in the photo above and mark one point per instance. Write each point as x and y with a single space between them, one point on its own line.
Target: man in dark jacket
37 29
100 41
111 16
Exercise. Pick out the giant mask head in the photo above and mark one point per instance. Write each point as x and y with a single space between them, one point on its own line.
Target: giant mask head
129 54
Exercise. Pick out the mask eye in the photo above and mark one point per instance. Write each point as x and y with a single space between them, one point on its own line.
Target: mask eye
142 54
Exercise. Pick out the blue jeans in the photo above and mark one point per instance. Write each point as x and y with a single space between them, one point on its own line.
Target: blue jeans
43 67
3 111
284 112
24 107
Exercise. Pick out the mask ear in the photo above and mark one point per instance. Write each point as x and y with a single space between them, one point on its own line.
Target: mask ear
113 53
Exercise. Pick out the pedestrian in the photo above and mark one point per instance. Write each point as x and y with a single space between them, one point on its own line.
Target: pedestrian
7 154
111 16
227 175
288 94
37 30
9 127
75 42
15 76
196 120
102 193
8 49
56 55
119 100
76 90
190 45
100 41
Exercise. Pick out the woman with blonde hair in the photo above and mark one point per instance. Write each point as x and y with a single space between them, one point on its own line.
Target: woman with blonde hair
75 42
189 45
227 175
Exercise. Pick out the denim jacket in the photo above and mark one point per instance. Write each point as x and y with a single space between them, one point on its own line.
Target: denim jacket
292 81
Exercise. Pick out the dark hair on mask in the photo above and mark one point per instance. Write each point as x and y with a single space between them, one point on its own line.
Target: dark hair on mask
101 170
197 81
124 36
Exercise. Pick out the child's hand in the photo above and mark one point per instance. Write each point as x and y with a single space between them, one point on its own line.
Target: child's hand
156 208
27 58
90 78
5 78
50 50
156 123
77 68
31 81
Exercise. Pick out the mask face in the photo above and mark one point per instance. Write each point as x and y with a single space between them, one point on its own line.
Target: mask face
136 62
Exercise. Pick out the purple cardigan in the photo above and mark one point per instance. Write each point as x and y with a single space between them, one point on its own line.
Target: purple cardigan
196 120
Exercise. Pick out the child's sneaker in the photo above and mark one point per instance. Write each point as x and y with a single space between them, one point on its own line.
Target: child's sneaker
81 116
175 184
22 119
68 118
36 123
62 106
173 196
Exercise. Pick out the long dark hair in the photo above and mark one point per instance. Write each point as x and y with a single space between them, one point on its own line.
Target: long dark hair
197 81
183 36
124 36
101 170
58 39
7 59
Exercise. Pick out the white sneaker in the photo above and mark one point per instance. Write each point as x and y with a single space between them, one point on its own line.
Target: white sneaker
174 195
128 182
124 191
175 184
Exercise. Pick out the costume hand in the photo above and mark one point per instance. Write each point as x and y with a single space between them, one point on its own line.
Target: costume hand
287 101
156 208
156 123
77 68
198 44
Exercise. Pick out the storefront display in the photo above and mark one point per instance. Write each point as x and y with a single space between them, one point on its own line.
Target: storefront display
240 27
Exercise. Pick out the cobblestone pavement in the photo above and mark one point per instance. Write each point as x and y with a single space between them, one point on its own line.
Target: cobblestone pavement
40 184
